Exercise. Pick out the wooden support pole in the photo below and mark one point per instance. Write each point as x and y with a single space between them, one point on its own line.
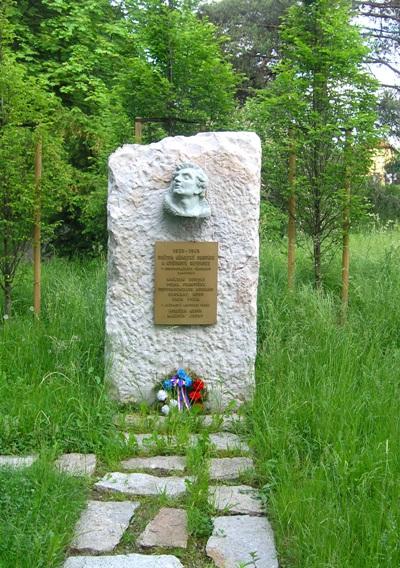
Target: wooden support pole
292 214
37 229
138 130
346 230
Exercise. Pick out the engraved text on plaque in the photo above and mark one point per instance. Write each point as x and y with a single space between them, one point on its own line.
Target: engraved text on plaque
185 283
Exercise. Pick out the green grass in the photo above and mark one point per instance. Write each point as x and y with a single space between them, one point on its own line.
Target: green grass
38 510
52 392
325 418
324 425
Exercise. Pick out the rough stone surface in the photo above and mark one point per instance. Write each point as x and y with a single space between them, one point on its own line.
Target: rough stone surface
148 442
138 421
124 561
161 463
167 529
224 441
142 484
229 468
77 464
226 423
102 525
140 353
17 462
235 539
240 499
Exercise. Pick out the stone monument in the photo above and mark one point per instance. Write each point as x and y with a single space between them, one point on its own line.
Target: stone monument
183 264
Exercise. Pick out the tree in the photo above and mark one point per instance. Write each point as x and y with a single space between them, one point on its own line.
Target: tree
26 110
181 75
382 26
321 91
251 39
108 62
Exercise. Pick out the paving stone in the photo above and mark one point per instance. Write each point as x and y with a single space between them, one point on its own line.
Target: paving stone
77 464
167 529
223 441
229 468
137 421
239 499
161 463
227 422
147 441
102 525
142 484
240 540
124 561
17 462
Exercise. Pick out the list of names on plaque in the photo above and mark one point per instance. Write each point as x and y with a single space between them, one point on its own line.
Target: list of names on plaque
185 283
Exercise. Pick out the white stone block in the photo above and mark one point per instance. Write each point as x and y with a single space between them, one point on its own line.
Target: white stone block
139 353
102 525
124 561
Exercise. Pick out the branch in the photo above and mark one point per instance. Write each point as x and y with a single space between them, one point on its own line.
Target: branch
384 63
395 87
381 16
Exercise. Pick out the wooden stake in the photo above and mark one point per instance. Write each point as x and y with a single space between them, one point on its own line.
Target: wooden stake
36 229
346 230
292 214
138 130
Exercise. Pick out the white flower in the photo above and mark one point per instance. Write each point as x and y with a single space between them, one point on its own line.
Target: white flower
31 308
162 395
173 403
165 409
5 317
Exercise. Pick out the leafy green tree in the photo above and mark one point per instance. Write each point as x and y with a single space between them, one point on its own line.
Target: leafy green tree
108 62
321 91
26 111
250 30
77 50
181 75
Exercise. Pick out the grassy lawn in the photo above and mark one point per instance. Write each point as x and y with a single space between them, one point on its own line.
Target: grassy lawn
324 425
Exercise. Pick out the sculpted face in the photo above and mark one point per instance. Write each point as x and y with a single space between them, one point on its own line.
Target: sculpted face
184 182
186 194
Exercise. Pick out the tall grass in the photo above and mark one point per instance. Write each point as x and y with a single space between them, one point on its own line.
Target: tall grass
326 412
325 416
52 391
38 510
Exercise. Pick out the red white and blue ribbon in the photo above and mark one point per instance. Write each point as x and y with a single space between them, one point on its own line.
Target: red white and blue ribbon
180 385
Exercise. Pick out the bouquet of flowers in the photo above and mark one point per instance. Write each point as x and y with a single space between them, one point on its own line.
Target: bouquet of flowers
182 390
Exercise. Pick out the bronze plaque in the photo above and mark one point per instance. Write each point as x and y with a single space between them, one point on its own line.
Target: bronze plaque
186 283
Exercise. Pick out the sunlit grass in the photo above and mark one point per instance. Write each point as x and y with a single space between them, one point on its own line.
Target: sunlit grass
326 419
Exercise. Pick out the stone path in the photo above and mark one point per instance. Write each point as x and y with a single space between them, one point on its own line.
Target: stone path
73 464
138 515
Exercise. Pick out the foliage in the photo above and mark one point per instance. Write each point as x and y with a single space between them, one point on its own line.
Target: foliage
250 32
189 84
108 62
385 200
320 92
389 113
27 112
382 27
272 222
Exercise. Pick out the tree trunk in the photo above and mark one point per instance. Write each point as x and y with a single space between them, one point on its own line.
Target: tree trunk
138 130
37 230
7 297
292 216
317 261
346 233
